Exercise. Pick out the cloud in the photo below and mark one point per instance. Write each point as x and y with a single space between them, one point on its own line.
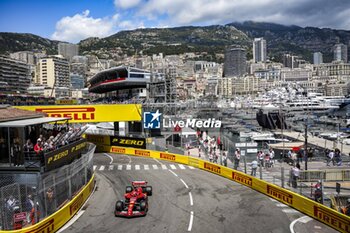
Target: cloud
82 26
125 4
320 13
132 14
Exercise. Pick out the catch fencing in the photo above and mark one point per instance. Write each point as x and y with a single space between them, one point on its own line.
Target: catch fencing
26 198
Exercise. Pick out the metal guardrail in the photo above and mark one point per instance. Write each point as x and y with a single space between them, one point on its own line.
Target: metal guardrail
326 175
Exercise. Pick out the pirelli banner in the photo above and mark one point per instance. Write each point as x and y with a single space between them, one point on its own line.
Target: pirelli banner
128 142
57 220
91 113
64 155
332 218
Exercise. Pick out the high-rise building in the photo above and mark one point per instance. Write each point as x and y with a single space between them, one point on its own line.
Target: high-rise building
235 62
77 81
340 52
318 58
259 50
291 61
53 72
68 50
14 76
24 56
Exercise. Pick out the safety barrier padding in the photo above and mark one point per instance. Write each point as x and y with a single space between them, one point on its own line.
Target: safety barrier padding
55 221
332 218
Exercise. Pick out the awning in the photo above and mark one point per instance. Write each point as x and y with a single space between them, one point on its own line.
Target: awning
33 121
286 145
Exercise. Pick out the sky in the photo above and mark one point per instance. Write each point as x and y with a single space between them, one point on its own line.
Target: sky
75 20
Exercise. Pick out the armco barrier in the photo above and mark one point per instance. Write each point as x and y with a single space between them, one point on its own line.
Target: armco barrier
55 221
311 208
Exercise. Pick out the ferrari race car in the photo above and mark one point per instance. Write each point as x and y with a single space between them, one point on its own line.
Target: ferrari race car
136 200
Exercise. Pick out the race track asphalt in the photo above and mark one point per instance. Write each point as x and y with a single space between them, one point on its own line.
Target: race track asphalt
218 204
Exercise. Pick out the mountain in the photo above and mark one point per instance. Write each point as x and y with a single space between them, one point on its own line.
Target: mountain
13 42
298 40
210 41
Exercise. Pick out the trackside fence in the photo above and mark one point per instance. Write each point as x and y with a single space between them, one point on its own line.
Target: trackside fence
305 205
27 198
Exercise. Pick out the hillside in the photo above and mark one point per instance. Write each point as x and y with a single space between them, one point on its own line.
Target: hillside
13 42
208 41
295 39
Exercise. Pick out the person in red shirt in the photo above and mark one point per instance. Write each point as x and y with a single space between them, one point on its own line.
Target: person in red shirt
38 146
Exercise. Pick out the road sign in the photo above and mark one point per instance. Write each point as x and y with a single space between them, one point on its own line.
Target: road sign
20 216
252 144
252 150
243 144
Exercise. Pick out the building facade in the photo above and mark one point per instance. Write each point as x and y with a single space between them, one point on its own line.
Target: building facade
259 50
340 52
53 72
14 76
235 62
68 50
318 58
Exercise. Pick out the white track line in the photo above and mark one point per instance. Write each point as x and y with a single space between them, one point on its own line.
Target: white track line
128 167
173 173
182 166
146 166
172 166
155 167
102 168
191 199
191 222
301 219
95 167
120 167
110 157
281 205
111 167
290 211
184 183
137 167
191 167
164 167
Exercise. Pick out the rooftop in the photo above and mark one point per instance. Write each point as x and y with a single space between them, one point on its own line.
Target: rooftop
7 113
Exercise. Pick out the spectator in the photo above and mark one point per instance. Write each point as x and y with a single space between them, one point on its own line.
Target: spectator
272 156
50 201
29 205
224 159
254 166
330 157
28 146
38 146
295 173
346 209
15 152
261 158
237 158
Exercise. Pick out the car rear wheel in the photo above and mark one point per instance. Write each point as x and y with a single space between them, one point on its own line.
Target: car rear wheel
149 190
128 189
119 206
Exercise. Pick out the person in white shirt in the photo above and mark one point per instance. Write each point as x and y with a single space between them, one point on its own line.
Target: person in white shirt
272 156
254 166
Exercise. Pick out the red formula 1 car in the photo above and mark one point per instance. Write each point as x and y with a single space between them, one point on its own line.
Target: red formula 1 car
136 200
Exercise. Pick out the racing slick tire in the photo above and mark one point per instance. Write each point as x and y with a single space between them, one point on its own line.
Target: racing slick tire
119 206
143 205
149 190
128 189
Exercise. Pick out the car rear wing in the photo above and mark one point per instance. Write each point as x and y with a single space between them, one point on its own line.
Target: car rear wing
139 183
